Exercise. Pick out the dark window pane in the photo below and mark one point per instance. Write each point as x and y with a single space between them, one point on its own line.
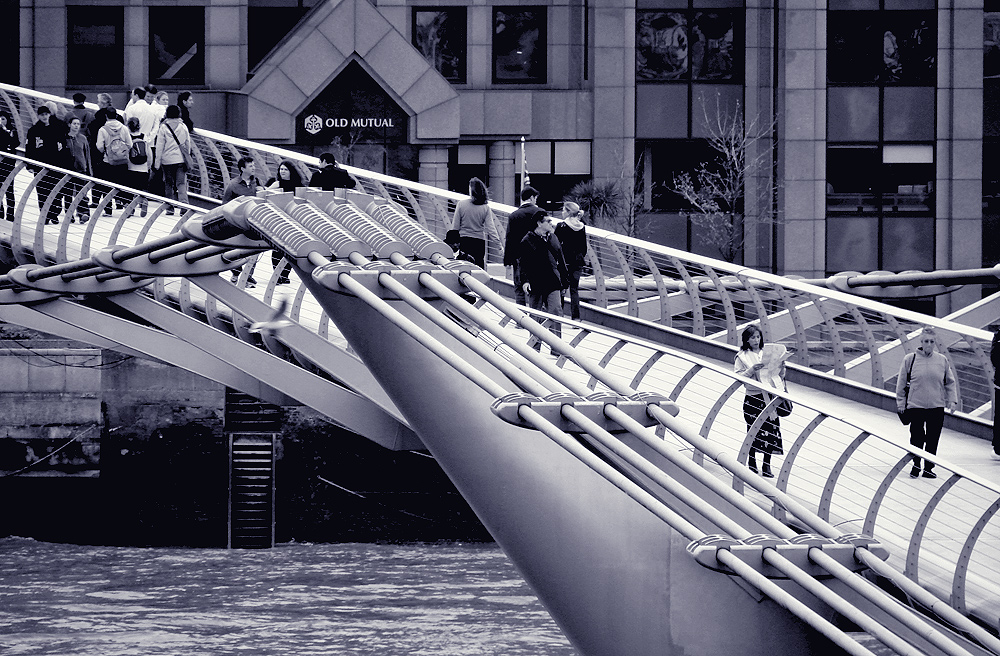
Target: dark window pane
991 45
95 51
661 45
991 107
909 4
912 240
853 4
519 42
908 114
266 26
713 49
177 45
854 47
909 47
669 159
852 176
852 243
661 111
440 34
852 114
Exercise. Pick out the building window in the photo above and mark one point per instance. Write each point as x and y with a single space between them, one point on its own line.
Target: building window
440 35
554 168
266 27
881 76
683 45
177 45
519 45
95 51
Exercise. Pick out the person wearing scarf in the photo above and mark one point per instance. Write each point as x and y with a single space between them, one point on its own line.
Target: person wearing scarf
572 236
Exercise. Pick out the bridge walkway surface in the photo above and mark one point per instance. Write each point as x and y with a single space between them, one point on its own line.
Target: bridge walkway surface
151 285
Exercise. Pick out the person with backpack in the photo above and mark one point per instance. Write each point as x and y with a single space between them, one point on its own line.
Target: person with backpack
114 142
138 162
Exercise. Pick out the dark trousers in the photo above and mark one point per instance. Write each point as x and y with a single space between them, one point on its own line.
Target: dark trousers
6 166
43 189
574 294
519 296
768 438
476 249
285 270
925 432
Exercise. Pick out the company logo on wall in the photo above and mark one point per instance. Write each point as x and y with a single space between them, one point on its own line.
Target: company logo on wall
313 124
353 108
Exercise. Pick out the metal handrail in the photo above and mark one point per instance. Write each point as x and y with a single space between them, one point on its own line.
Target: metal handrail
846 336
888 508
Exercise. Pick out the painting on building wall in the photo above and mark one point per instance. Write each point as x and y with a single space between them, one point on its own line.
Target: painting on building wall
661 46
95 45
712 46
440 35
991 44
177 45
897 47
519 43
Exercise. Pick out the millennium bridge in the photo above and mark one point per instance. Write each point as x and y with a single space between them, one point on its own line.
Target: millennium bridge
610 465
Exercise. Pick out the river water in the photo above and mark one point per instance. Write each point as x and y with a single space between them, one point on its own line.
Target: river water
301 599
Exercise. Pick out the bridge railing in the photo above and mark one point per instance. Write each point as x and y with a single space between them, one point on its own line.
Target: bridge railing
942 533
843 335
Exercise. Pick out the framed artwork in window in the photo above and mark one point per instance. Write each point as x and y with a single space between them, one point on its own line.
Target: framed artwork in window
440 35
519 45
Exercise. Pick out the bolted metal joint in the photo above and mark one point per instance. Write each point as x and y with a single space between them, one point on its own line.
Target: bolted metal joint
797 551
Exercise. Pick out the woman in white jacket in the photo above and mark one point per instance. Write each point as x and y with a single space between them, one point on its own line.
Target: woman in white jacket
173 148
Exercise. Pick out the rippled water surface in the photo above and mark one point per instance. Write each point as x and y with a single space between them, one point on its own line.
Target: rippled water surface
300 599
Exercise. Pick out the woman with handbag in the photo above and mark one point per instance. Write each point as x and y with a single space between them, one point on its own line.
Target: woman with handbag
924 385
474 221
749 362
173 155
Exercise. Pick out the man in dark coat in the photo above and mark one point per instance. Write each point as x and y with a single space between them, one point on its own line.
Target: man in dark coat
520 222
331 176
45 143
995 358
543 270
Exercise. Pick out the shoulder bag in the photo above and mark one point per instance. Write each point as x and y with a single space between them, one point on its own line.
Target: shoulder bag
188 164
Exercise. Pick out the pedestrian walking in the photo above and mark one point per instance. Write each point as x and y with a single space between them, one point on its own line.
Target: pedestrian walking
78 154
925 385
995 359
543 270
572 236
749 363
45 143
475 222
8 144
140 109
331 176
287 179
520 222
173 149
185 100
138 162
244 185
114 143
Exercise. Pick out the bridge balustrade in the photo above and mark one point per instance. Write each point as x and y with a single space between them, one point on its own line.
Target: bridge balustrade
843 335
943 533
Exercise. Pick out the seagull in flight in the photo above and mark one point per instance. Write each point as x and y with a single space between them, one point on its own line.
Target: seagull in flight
277 321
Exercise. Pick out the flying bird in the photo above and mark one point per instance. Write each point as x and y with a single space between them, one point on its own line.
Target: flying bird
277 321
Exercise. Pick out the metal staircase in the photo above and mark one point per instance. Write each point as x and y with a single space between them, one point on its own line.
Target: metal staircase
252 428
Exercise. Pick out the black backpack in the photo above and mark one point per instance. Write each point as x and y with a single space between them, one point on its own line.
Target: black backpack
138 153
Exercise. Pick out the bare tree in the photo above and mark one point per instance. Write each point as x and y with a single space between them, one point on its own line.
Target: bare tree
718 190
